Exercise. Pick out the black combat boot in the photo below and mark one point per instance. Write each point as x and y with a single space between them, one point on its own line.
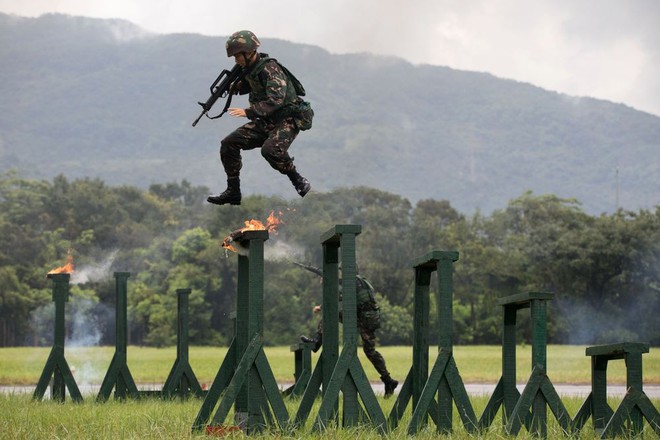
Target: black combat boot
232 195
301 184
316 341
390 385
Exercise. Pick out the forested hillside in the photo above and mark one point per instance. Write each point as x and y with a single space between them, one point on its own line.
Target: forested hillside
104 99
604 270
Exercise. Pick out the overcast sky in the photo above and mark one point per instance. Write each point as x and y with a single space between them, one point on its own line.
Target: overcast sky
606 49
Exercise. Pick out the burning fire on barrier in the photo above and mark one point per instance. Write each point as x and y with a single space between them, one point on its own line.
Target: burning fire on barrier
232 241
67 268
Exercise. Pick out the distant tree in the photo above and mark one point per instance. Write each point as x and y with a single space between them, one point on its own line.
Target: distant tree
15 307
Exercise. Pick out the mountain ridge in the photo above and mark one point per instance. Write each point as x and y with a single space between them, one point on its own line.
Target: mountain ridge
104 98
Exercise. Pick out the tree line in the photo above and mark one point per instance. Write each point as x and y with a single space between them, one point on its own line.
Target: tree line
604 270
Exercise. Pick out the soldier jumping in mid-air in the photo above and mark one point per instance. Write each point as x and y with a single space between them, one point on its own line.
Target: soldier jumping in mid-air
276 113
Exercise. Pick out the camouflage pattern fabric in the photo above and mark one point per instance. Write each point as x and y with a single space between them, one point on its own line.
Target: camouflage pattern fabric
367 324
368 346
273 139
271 92
272 127
241 41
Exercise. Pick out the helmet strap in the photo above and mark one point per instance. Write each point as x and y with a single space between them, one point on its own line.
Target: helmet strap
250 58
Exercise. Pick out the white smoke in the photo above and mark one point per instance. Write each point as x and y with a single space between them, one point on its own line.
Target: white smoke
87 374
85 329
273 251
283 251
94 272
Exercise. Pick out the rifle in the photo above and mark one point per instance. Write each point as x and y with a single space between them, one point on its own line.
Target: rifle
312 269
227 79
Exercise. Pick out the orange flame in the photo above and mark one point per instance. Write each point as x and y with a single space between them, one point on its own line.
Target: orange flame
68 267
253 225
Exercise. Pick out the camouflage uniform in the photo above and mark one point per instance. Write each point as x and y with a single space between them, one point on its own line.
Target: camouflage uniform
276 115
272 126
368 321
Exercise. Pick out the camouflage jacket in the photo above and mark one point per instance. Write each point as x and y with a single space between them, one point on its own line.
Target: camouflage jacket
364 293
272 94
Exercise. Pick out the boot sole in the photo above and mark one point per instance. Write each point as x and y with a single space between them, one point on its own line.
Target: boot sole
305 190
229 202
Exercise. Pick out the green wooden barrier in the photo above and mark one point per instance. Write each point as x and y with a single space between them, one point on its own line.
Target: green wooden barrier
245 376
56 366
182 379
444 379
302 353
118 375
340 372
539 392
628 419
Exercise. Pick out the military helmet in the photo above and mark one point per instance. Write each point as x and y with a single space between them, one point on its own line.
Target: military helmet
242 41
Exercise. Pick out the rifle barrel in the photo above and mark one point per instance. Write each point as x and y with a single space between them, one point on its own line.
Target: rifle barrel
199 117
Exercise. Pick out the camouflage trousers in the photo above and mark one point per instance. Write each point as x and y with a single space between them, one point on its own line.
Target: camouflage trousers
273 139
368 346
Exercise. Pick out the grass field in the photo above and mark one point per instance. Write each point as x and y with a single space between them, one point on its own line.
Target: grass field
477 364
23 418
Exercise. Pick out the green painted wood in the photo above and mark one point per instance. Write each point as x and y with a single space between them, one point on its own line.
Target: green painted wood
371 407
530 407
310 394
492 406
617 424
401 402
331 395
555 404
251 389
460 397
118 376
509 367
527 397
330 310
351 404
629 417
220 383
649 412
255 421
242 335
444 379
428 393
416 379
617 351
302 352
245 364
56 365
330 345
338 374
421 330
539 358
182 379
602 412
583 414
523 300
271 390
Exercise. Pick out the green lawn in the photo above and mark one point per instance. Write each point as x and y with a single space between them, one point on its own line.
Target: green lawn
566 364
23 418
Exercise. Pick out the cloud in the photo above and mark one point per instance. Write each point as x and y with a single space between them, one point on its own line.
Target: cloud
605 49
